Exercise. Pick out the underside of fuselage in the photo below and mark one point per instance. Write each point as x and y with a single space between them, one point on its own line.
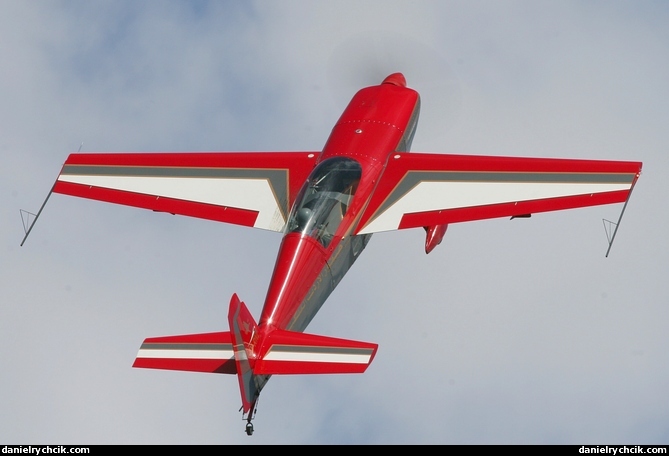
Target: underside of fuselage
320 244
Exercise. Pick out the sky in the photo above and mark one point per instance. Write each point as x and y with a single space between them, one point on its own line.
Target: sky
509 332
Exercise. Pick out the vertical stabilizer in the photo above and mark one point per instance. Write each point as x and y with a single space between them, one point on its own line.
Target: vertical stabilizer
244 332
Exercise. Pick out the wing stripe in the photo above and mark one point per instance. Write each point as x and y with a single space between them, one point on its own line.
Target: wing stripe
425 191
319 354
278 178
414 178
186 346
186 350
186 354
160 204
250 194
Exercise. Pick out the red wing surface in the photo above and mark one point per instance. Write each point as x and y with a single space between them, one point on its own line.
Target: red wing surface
418 190
210 352
245 188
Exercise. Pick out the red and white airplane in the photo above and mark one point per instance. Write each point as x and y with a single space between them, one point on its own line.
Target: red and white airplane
328 204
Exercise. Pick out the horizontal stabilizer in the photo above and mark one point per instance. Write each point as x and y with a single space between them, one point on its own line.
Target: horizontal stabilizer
209 352
290 352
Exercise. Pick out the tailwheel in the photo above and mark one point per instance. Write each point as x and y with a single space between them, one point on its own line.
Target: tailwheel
249 416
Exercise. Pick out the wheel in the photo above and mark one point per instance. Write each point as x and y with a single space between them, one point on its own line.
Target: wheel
249 429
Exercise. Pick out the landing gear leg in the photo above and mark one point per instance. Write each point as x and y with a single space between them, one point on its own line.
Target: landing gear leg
249 417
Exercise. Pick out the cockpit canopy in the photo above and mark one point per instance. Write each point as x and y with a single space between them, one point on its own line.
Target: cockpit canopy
323 201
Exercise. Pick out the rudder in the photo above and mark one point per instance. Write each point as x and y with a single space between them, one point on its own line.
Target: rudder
244 332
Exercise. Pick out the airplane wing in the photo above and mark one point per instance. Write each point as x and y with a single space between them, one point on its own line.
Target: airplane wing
420 190
253 189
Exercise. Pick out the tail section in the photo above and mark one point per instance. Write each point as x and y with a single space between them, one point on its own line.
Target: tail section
255 354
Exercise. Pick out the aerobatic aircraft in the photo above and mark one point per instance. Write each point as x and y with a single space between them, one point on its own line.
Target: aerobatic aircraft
328 204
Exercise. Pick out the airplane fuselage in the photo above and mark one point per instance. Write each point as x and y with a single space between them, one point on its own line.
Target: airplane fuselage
319 245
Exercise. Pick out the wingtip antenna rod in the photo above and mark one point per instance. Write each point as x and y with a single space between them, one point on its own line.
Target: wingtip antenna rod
27 227
25 219
610 232
608 223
